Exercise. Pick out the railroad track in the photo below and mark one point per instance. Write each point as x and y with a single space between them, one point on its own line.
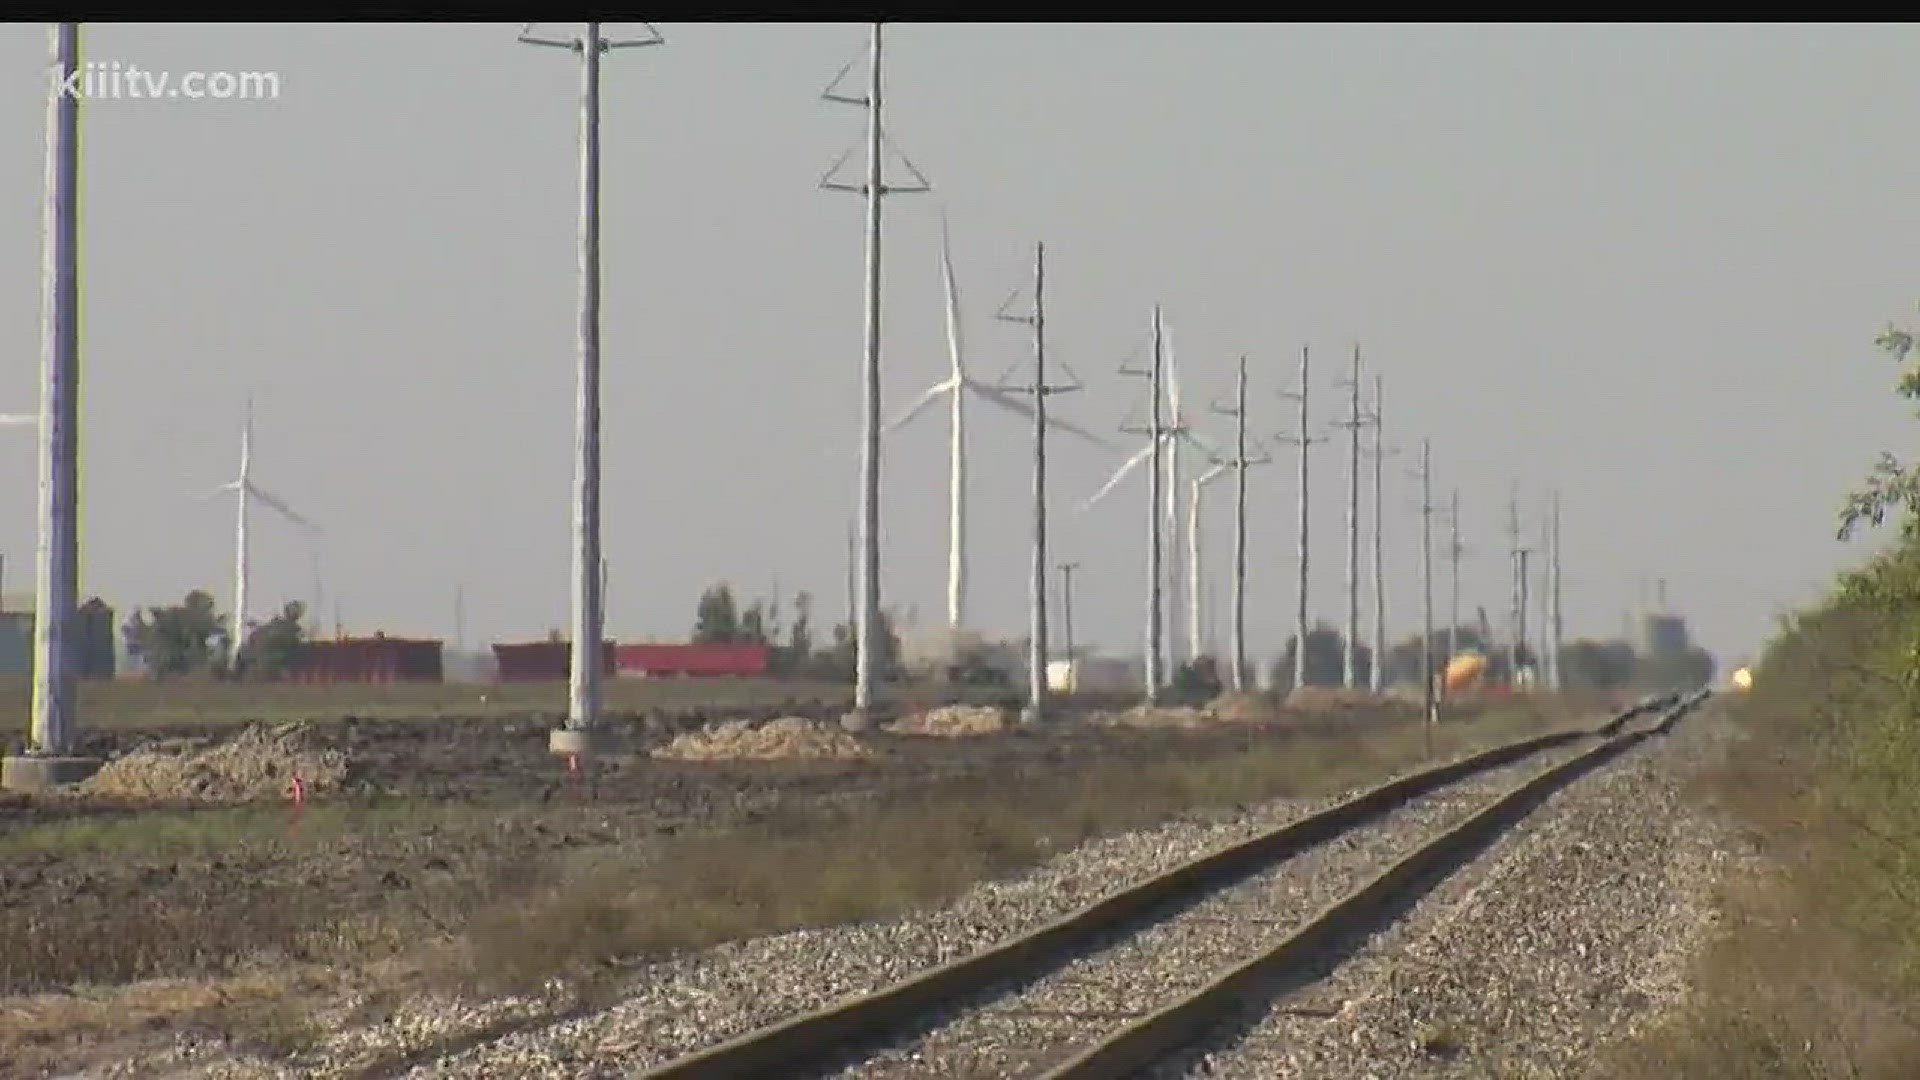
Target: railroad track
1149 964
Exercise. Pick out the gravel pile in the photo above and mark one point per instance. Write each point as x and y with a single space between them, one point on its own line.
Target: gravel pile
1574 929
955 721
787 739
257 764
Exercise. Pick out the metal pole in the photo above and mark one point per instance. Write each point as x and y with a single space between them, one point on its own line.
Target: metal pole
868 615
243 493
1554 620
1240 532
1453 576
583 684
1350 662
1300 542
1066 602
1513 588
1154 481
1426 586
57 554
1037 654
1377 672
1520 606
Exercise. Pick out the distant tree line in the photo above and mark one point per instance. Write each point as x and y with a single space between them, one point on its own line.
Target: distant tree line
192 639
792 648
1585 664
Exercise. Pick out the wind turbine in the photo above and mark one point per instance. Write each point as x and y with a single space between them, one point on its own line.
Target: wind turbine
1172 434
245 490
1196 486
957 385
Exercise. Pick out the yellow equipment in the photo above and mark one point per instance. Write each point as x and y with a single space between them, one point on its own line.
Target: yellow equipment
1463 670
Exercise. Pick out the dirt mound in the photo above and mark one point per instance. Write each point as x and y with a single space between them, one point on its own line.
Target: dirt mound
955 721
257 764
1242 708
785 739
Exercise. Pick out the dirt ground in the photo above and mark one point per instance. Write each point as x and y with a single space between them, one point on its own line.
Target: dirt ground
428 821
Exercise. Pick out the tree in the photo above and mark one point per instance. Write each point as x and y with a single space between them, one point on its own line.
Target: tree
1597 665
841 657
1891 486
273 647
1326 660
180 640
717 619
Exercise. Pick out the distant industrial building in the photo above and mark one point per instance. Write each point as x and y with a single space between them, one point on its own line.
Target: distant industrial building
1663 635
376 659
546 661
541 661
91 646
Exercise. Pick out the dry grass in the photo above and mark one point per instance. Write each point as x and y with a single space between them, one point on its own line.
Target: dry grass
137 703
857 863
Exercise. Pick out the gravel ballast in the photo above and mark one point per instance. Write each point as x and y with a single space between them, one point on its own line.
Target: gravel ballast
1575 929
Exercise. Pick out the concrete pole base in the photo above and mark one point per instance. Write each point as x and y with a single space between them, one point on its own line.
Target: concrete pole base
1031 714
577 742
857 720
43 773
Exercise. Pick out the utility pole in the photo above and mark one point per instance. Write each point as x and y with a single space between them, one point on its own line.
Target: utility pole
867 614
1301 441
1454 551
1066 603
1238 645
1156 432
53 736
1040 389
1553 593
1515 616
1350 664
460 618
1520 606
583 691
1426 587
1377 671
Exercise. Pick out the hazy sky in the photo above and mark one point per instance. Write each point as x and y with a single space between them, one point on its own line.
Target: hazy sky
1644 265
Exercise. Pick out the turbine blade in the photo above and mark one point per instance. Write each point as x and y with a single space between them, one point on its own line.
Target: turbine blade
285 510
1212 452
224 489
1119 475
18 419
1010 401
920 404
953 300
1173 371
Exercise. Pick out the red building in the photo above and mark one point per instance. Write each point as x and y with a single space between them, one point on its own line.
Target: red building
378 659
693 661
541 661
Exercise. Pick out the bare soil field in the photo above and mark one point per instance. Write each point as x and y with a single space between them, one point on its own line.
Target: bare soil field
431 841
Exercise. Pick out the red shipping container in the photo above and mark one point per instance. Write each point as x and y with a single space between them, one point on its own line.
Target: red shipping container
542 661
378 659
692 661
